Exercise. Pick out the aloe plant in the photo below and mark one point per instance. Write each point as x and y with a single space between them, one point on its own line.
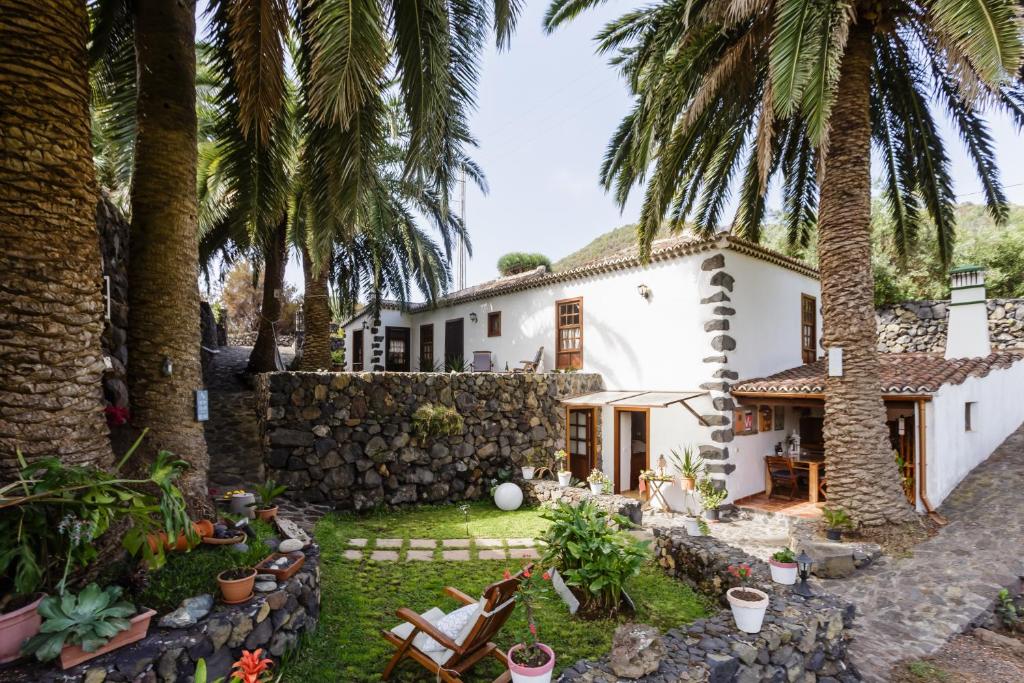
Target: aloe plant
689 464
89 619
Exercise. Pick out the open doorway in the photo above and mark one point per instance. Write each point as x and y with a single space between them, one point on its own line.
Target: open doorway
632 447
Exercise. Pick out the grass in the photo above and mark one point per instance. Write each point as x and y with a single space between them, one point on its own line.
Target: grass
360 598
194 572
926 671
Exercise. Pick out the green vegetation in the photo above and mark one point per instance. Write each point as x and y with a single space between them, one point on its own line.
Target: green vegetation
621 239
360 598
836 519
926 671
195 572
89 619
520 262
433 419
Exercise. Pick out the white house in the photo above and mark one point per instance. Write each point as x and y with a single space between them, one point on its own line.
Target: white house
671 338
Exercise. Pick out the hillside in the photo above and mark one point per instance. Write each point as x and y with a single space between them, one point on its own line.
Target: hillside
604 245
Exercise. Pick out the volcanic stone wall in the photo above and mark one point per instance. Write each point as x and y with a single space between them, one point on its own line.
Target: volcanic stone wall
347 438
921 325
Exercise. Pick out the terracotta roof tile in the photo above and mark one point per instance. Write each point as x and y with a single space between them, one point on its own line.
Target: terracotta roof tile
902 373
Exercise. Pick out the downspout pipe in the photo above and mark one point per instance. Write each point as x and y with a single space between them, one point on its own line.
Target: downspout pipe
922 479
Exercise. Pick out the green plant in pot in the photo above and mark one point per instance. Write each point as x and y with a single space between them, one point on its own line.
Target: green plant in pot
564 473
836 521
533 460
689 465
79 627
711 497
268 493
595 558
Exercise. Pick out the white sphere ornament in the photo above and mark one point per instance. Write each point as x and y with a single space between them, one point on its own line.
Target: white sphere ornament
508 496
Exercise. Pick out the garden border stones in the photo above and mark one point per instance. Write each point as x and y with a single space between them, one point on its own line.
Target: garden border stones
274 621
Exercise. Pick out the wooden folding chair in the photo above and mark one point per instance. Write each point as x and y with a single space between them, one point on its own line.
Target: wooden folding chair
780 469
451 663
531 365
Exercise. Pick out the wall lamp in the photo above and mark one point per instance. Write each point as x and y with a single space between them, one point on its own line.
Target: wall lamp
472 317
644 291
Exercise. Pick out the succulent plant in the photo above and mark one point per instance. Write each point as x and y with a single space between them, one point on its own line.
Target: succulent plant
89 619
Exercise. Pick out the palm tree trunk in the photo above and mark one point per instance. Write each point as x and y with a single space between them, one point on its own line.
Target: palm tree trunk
862 475
316 309
264 351
51 302
163 293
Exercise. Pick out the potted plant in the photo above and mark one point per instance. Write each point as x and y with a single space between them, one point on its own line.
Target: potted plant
242 503
835 521
711 497
236 584
530 661
19 621
695 526
268 492
534 458
597 480
79 627
748 604
564 474
783 567
690 467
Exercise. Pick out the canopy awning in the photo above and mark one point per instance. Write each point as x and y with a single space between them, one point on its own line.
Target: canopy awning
637 399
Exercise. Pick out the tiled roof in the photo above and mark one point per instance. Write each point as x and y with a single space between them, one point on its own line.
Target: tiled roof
902 373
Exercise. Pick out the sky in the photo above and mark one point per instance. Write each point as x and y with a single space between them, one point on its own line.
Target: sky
546 109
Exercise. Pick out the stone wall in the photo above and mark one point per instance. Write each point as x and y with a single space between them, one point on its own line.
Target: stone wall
547 493
802 639
347 438
921 325
274 621
249 339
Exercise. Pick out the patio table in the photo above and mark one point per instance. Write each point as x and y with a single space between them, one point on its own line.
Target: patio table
812 464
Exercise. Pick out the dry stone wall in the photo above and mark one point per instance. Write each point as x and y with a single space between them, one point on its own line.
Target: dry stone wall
921 325
347 438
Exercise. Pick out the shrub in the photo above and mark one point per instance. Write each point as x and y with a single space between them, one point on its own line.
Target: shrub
836 519
591 555
710 497
432 420
520 262
785 556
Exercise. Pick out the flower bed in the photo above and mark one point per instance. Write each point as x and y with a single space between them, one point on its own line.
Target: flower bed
274 620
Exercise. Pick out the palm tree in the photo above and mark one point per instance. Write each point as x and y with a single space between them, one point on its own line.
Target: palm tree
51 303
801 89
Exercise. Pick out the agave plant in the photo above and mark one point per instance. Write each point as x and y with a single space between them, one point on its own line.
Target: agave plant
89 619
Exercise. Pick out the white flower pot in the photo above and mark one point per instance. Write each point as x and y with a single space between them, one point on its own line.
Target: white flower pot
748 614
528 472
596 489
508 496
564 478
692 526
525 674
242 504
783 572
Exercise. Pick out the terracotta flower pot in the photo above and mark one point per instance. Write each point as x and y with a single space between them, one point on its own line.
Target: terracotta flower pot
236 590
531 674
18 626
72 655
688 483
203 527
266 514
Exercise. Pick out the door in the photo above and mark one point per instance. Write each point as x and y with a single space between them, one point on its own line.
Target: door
901 438
396 346
454 345
579 442
808 328
357 351
632 447
426 348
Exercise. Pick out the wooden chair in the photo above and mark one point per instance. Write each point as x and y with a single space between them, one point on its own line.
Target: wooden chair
531 365
782 473
468 648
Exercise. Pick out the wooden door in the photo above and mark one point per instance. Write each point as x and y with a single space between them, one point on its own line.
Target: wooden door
454 345
579 438
357 351
396 349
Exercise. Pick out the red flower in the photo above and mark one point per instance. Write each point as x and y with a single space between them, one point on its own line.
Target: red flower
526 573
533 629
547 576
251 667
507 575
116 415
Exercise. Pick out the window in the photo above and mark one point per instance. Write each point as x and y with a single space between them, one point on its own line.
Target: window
579 437
357 351
396 349
969 416
569 339
808 328
426 348
494 324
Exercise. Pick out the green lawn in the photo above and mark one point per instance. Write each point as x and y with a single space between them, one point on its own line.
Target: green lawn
360 598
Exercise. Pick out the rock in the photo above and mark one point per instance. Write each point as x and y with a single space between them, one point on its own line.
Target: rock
831 560
95 675
242 547
218 631
266 586
199 606
637 650
266 577
290 545
179 618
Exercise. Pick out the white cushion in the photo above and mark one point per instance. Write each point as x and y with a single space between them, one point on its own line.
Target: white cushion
456 625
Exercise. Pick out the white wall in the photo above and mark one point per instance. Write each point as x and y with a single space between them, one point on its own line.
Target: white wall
766 326
953 452
388 318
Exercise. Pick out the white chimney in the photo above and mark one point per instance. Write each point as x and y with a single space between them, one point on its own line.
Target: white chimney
967 334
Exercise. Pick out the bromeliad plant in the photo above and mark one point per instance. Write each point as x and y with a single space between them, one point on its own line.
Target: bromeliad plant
592 555
89 620
50 507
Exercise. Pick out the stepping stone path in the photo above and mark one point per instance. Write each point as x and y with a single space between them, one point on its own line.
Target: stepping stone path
451 549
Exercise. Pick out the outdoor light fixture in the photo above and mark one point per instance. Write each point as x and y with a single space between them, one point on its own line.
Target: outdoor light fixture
167 369
803 565
644 291
472 317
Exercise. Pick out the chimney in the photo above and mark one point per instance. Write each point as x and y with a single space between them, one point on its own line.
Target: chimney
967 333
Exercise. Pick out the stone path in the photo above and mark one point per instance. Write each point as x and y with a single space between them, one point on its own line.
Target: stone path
450 549
909 607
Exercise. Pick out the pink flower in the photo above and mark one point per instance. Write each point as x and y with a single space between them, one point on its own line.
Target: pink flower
507 575
533 629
